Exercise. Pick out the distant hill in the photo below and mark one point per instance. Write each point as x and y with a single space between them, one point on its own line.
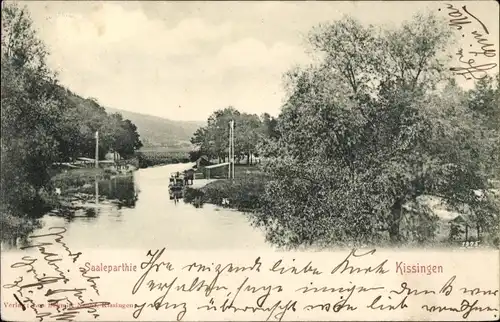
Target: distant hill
161 132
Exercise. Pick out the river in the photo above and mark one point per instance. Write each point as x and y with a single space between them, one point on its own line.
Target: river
147 218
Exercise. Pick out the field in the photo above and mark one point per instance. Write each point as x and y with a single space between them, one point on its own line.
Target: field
158 156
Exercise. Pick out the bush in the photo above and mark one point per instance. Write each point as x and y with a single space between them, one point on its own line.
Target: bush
243 193
14 225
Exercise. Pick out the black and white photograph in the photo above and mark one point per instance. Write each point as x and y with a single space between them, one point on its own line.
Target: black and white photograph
273 126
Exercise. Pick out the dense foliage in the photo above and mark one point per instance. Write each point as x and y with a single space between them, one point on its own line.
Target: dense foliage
249 131
244 193
42 122
374 130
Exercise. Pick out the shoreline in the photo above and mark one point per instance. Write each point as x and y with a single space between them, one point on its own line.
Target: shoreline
63 194
243 195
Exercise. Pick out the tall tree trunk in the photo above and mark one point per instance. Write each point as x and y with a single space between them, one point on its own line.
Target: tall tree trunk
248 158
396 212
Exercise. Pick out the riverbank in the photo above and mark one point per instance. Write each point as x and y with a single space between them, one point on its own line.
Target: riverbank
12 227
66 190
443 228
80 180
243 193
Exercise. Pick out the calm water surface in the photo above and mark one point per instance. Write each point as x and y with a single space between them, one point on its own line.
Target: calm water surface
146 218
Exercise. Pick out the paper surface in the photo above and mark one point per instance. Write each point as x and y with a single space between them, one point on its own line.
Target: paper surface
163 285
126 247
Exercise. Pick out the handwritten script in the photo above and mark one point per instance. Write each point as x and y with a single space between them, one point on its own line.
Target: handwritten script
479 56
48 282
288 289
43 287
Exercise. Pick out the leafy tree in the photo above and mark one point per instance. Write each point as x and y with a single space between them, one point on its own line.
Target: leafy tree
201 140
484 100
127 140
248 131
269 126
42 122
218 131
366 136
30 111
213 139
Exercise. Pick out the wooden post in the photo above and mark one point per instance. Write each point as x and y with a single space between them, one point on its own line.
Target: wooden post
229 152
96 190
231 164
97 149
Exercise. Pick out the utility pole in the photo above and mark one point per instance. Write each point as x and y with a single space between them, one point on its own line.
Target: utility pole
97 149
229 153
232 147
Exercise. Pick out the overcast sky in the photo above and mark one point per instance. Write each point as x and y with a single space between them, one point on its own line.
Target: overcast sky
183 60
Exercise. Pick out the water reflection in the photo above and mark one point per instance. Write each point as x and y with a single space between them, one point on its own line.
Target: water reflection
136 212
18 238
120 189
115 193
84 206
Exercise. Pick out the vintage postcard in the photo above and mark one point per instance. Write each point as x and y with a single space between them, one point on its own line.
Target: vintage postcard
250 161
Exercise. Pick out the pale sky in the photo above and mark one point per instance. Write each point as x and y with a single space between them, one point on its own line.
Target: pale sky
152 57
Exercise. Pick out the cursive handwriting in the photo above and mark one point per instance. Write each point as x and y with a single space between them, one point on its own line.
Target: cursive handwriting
149 265
325 289
229 303
344 265
401 305
59 236
272 290
408 291
19 301
466 307
277 268
470 68
478 291
35 278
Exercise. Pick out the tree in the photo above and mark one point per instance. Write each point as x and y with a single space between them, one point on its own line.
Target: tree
366 136
201 140
265 145
218 131
269 126
247 134
484 101
42 122
213 139
30 110
127 141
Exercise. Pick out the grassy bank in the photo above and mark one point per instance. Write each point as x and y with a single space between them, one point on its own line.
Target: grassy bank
243 193
62 188
76 180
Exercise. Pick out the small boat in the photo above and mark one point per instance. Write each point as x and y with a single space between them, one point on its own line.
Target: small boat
176 187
